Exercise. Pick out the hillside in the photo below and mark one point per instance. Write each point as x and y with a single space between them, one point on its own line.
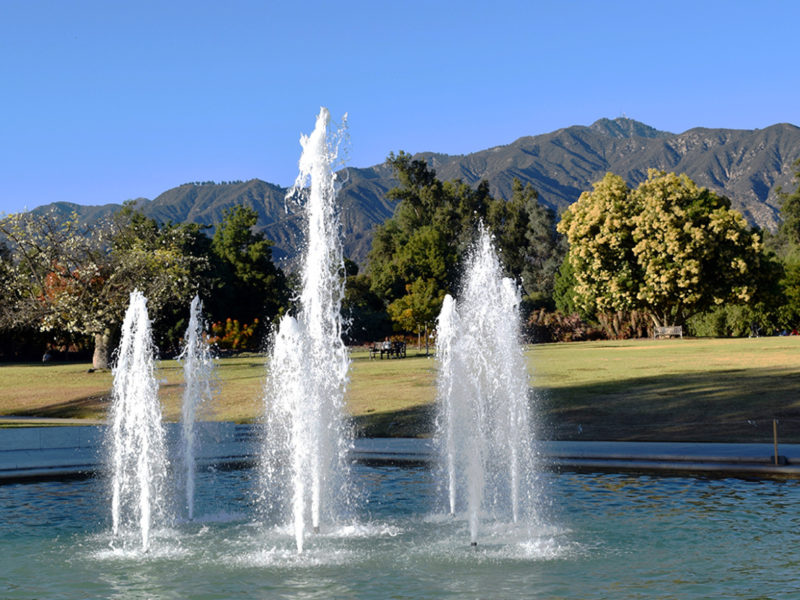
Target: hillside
745 165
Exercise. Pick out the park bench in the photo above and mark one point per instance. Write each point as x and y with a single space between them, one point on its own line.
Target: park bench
390 349
399 349
671 331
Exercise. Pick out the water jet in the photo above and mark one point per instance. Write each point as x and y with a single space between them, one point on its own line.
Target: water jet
198 374
304 472
484 425
136 440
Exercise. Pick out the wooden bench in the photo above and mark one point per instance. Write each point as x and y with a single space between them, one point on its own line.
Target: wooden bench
671 331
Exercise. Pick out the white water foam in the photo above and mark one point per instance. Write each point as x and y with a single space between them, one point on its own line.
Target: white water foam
136 439
484 431
198 376
305 473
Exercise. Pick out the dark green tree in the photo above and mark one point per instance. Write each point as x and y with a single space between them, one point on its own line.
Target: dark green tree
790 212
564 296
421 247
530 246
247 285
364 312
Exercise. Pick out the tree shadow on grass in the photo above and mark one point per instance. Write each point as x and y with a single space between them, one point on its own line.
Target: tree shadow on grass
411 422
719 406
94 406
731 406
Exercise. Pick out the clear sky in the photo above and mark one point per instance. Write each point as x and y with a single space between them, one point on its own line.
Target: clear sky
103 100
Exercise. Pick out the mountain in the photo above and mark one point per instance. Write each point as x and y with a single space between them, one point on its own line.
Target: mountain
745 165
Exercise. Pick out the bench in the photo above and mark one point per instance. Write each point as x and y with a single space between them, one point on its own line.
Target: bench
671 331
390 349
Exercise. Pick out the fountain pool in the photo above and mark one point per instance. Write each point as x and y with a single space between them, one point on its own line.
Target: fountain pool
306 523
609 536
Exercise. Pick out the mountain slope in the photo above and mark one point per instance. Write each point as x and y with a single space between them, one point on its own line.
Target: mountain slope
747 166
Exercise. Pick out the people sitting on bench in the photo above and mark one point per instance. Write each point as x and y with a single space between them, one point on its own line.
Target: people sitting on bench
389 348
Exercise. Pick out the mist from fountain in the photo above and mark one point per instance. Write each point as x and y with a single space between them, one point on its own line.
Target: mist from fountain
305 473
198 376
484 422
136 438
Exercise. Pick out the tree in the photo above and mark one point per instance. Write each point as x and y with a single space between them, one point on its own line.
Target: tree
6 287
564 296
421 247
526 237
169 262
418 309
668 247
433 224
72 277
600 235
789 311
247 284
363 312
790 211
786 244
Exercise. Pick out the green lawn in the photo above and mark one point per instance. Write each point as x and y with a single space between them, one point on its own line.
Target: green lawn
691 389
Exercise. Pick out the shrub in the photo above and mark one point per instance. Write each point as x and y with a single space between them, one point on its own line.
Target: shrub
623 325
231 335
546 326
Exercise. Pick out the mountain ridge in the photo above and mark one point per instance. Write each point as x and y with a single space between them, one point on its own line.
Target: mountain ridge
745 165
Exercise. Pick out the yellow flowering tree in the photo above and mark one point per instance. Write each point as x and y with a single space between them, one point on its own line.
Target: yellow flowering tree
669 248
693 250
599 230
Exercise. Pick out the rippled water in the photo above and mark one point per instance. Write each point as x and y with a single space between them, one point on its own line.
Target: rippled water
604 536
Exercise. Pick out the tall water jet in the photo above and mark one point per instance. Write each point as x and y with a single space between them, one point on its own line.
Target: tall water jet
198 377
307 439
447 392
484 423
136 436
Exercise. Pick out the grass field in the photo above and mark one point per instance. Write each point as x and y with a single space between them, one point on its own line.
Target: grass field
691 389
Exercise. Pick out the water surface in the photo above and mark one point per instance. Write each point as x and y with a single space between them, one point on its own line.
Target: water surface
603 536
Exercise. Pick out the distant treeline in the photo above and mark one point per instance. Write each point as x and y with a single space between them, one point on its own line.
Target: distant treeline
232 182
620 261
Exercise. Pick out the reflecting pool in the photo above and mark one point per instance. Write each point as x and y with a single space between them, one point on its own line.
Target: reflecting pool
602 536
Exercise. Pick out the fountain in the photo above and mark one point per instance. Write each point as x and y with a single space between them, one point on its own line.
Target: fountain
609 535
136 437
306 439
484 423
198 375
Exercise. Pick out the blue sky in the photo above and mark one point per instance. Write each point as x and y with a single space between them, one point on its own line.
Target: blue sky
103 101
